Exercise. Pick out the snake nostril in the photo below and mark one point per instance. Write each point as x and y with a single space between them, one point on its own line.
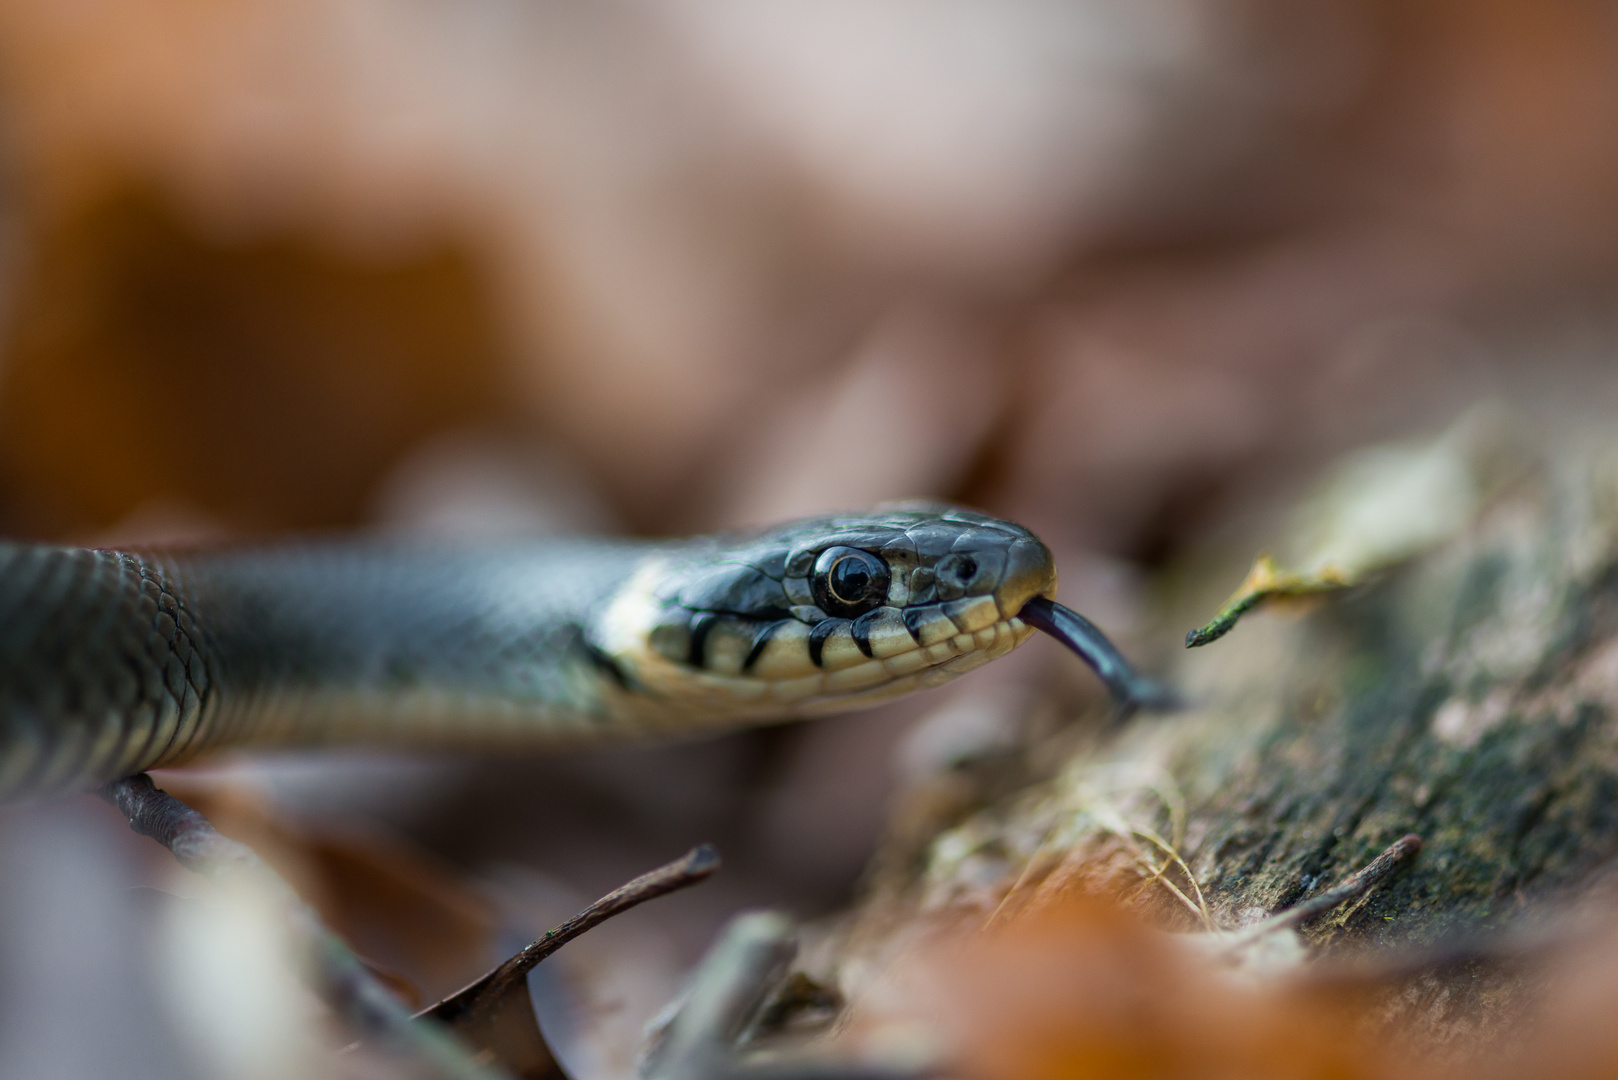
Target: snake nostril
958 570
956 575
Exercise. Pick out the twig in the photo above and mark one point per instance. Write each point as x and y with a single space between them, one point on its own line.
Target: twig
1352 887
335 973
464 1004
1263 582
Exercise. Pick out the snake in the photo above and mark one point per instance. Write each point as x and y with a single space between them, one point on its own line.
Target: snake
113 662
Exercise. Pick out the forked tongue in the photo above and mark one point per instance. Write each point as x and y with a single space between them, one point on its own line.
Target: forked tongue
1129 688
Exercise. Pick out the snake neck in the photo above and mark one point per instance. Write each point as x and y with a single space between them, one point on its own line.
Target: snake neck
409 644
114 662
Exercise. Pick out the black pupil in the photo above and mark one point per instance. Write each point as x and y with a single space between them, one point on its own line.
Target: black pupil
849 582
850 579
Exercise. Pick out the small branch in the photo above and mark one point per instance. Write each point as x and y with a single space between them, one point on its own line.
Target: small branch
330 966
1266 581
1352 887
464 1005
193 840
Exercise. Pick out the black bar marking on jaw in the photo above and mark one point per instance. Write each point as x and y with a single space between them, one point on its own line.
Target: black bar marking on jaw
760 639
605 663
1129 688
700 626
912 618
861 631
818 635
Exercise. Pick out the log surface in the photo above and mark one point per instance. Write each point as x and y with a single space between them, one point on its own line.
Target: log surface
1468 694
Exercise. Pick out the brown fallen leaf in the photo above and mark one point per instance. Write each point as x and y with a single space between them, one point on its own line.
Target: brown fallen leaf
414 920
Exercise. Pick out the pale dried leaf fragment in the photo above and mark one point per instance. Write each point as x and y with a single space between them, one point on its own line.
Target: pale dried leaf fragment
1379 507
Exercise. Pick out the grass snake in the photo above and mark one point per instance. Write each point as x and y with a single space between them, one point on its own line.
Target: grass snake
114 662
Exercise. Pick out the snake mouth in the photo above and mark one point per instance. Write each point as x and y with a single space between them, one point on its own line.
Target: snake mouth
801 669
896 651
1030 573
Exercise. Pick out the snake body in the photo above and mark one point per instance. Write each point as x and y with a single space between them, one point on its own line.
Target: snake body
113 662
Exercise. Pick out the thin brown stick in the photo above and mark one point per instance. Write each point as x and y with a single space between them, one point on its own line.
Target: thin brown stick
329 965
690 868
1353 886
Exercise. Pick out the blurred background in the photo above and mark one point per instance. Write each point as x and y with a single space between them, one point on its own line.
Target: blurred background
1122 270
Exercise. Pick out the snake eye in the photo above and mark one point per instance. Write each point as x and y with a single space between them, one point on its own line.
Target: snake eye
849 582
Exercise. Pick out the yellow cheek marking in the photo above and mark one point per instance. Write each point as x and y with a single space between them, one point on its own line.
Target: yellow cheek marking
727 646
671 689
786 655
888 635
940 652
1007 636
840 652
973 613
899 588
628 619
934 628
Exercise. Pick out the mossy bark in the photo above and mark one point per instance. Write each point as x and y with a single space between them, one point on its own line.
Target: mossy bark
1468 694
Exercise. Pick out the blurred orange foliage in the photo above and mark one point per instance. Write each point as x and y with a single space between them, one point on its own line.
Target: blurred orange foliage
1154 251
270 385
1082 990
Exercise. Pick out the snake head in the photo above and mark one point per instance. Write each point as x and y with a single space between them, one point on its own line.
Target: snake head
823 614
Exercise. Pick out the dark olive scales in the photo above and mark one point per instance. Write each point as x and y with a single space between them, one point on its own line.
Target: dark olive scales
113 662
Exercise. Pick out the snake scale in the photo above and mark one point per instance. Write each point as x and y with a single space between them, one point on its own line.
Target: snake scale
114 662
